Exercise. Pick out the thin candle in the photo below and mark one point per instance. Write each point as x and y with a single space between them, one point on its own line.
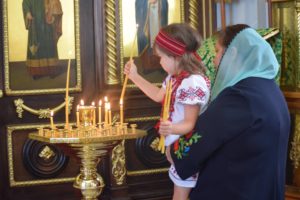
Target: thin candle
94 114
51 120
109 114
121 112
77 116
131 55
67 94
100 112
105 110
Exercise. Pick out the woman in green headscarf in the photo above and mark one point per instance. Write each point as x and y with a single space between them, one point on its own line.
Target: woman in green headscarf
241 153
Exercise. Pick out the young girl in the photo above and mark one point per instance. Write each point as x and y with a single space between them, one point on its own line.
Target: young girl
176 45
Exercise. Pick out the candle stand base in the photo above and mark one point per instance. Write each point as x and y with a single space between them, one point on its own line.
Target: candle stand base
90 144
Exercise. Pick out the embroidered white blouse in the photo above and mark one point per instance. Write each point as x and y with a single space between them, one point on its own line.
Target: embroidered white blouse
194 90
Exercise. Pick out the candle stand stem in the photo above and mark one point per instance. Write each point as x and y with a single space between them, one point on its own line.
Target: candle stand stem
89 181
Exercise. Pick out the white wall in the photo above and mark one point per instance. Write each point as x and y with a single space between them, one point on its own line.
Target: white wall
251 12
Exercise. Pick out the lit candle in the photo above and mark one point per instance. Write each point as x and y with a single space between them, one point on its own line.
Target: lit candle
109 114
131 55
67 93
105 111
99 112
81 102
94 114
77 116
121 112
51 120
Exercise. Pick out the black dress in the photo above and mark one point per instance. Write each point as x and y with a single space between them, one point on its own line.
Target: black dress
241 149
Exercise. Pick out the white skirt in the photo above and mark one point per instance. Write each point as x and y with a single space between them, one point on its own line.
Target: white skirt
189 182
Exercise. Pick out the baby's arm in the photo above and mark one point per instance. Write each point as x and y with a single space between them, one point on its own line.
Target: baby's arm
153 92
191 113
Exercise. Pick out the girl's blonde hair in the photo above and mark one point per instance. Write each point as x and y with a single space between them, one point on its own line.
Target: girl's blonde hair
188 36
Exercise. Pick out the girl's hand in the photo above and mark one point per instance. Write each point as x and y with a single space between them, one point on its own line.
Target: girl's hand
130 69
165 128
168 155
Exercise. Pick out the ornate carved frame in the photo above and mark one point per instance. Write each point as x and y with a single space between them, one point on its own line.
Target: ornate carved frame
15 92
113 36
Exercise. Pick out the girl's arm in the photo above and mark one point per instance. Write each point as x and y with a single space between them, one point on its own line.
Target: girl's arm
153 92
191 113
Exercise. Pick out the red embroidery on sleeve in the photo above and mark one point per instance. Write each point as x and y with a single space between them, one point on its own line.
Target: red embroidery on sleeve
191 94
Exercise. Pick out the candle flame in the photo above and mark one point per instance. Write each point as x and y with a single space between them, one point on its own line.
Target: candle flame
108 106
81 102
121 101
77 108
51 113
93 103
100 103
105 99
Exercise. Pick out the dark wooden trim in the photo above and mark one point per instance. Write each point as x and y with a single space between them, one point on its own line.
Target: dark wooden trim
99 42
293 100
223 14
270 13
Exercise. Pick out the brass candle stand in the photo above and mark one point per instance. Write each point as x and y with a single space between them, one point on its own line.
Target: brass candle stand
90 143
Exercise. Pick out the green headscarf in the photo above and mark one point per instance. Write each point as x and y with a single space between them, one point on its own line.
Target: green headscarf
248 55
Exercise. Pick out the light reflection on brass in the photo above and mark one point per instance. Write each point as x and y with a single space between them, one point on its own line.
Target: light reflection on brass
154 144
118 163
89 181
46 153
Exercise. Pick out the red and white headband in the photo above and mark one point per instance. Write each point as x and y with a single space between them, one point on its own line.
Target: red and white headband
173 46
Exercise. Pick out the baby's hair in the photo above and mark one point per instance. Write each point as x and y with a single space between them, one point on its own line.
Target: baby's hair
188 36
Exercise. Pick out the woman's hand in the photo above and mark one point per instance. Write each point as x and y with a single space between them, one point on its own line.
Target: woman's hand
165 128
168 155
130 69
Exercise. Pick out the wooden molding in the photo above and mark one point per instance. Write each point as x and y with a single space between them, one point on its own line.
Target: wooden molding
293 99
